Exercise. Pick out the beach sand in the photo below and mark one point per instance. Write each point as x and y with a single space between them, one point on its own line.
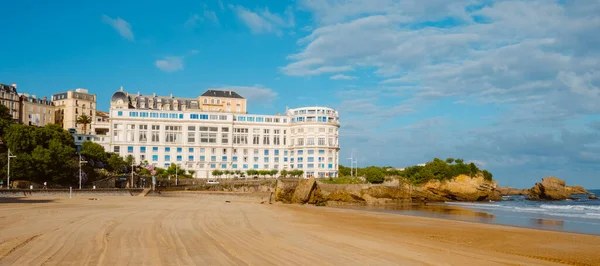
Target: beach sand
207 230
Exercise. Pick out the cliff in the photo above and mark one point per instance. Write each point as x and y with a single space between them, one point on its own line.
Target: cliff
461 188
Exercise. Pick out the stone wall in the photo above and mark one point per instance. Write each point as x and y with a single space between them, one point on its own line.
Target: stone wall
65 193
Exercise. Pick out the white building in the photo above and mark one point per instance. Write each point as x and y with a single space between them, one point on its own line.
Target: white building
166 130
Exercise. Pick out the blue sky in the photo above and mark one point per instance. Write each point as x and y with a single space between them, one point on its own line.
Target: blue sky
511 85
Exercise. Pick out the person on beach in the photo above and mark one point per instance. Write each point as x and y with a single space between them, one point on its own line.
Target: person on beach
45 185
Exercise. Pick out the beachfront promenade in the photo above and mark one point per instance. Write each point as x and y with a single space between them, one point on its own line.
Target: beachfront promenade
208 230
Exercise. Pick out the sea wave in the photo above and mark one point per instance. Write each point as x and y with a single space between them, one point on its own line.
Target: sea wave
570 207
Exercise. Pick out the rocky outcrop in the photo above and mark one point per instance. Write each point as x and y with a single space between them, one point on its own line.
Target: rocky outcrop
284 190
551 188
461 188
592 197
509 191
576 190
303 191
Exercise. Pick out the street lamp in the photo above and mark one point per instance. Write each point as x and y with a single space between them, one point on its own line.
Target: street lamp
80 163
10 155
132 165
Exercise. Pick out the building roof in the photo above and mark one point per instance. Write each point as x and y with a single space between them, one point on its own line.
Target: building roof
222 93
8 88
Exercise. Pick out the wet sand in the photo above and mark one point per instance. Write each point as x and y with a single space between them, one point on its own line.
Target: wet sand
207 230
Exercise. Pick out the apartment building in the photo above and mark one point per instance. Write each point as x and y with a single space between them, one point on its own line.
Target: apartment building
10 98
163 130
222 101
71 105
35 111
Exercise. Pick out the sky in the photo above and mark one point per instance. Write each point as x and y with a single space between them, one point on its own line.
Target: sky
511 85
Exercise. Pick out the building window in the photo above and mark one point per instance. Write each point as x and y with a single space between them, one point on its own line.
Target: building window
117 149
234 166
179 158
179 150
310 141
119 113
142 149
155 133
255 166
234 158
310 152
321 142
266 152
310 159
224 138
191 150
223 166
300 152
300 142
213 165
167 149
202 158
213 158
167 158
154 158
191 158
173 134
224 158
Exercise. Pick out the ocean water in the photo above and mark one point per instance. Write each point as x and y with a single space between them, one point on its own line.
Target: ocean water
579 215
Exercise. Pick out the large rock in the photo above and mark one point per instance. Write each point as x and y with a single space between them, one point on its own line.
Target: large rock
551 188
576 190
303 191
509 191
461 188
284 190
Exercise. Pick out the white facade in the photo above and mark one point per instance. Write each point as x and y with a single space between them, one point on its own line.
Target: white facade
304 138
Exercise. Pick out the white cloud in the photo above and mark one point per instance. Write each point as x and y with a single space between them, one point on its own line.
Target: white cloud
531 65
263 21
206 15
256 94
120 25
170 63
211 15
342 77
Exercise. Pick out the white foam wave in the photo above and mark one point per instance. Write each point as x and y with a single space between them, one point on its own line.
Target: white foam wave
570 207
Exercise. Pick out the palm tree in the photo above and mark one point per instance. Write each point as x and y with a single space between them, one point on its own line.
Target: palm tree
84 120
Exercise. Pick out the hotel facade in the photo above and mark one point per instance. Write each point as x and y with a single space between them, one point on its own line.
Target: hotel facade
214 132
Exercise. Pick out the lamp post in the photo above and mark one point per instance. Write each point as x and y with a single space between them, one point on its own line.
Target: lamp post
10 155
80 163
132 165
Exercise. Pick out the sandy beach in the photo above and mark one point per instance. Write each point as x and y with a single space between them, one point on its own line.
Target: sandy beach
207 230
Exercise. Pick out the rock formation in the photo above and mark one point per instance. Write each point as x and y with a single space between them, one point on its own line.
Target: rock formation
592 197
461 188
509 191
303 191
577 190
553 188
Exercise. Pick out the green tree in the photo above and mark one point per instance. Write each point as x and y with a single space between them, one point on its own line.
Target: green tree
487 175
84 120
284 173
450 160
459 161
191 172
217 173
5 113
116 164
344 171
175 168
273 172
93 151
238 173
374 175
473 169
